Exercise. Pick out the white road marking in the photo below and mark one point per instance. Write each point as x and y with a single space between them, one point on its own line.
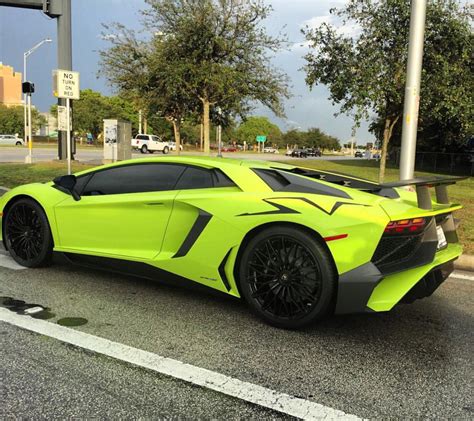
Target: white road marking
458 275
227 385
7 262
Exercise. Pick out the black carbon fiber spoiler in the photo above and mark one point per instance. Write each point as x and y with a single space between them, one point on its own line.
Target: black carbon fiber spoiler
423 185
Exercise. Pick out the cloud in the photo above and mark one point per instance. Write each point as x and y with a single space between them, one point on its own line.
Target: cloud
349 29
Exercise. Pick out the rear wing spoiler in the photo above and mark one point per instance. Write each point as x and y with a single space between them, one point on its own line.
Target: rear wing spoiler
422 186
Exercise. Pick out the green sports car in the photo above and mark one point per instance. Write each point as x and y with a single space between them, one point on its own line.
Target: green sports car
295 243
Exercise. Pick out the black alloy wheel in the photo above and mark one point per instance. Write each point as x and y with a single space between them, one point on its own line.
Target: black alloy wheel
287 277
27 234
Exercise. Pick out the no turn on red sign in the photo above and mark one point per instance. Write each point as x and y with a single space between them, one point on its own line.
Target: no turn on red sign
66 84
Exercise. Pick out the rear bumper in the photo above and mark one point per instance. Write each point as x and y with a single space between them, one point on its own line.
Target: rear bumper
366 289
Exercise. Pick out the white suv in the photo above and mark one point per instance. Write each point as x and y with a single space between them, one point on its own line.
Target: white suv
149 143
10 139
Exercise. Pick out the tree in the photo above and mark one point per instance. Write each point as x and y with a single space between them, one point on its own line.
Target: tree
92 108
215 51
365 72
12 120
258 126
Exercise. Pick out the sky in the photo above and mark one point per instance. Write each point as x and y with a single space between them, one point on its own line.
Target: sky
20 29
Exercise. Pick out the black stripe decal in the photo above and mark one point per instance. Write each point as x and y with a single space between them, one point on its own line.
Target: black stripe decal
221 270
198 227
283 209
280 209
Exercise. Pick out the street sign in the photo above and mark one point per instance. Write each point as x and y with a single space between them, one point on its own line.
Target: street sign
66 84
261 138
62 119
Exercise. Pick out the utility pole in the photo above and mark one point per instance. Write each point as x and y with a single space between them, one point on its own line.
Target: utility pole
64 63
412 89
139 121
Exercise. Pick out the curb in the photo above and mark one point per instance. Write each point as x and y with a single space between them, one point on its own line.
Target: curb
465 262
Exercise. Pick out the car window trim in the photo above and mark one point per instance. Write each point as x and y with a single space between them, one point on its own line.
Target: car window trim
212 170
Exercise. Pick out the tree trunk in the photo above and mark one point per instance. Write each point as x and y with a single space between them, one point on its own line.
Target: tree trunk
387 135
145 125
205 121
383 158
177 135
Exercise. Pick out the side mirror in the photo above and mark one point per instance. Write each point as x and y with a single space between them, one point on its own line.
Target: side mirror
66 183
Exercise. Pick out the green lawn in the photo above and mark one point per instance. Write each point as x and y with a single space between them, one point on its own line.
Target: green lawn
12 175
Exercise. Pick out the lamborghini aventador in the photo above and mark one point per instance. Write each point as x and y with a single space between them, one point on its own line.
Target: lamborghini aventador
294 243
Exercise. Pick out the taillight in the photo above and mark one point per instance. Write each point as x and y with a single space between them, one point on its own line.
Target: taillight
405 226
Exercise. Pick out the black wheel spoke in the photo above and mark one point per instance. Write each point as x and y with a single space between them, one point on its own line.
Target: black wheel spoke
284 277
24 231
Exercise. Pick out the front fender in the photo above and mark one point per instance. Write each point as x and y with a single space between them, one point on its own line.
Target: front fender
45 194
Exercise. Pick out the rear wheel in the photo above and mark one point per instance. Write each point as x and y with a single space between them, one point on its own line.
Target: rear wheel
144 149
27 234
18 143
166 150
287 277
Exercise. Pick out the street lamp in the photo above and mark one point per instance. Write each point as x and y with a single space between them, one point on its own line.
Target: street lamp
27 115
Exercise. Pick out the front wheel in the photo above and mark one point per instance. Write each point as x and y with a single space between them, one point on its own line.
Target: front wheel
287 278
166 150
18 143
27 234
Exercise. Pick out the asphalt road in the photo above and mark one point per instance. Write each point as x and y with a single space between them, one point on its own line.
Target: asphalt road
18 154
414 362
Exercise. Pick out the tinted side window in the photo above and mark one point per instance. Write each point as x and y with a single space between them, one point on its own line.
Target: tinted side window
134 179
202 178
142 137
195 178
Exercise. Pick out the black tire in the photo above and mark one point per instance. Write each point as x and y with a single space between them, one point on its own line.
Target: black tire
18 144
166 150
287 277
27 234
144 149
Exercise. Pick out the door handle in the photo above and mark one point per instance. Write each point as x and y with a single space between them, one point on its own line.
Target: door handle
154 204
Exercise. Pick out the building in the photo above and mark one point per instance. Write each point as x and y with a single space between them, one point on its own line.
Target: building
50 126
10 86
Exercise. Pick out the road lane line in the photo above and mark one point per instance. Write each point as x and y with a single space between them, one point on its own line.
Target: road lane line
227 385
9 263
458 275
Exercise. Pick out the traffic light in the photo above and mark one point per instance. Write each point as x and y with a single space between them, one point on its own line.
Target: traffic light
28 87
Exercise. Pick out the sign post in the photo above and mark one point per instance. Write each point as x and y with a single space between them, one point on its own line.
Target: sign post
261 139
66 86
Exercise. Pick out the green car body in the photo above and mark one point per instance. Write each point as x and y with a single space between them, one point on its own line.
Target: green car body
198 234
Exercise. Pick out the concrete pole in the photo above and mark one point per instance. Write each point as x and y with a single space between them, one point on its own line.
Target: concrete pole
412 88
139 121
64 62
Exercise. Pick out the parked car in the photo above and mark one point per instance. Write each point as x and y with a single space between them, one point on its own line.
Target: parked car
150 143
229 149
358 154
172 146
270 150
313 152
10 139
298 153
296 244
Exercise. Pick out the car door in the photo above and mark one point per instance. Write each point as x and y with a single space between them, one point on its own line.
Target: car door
123 211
